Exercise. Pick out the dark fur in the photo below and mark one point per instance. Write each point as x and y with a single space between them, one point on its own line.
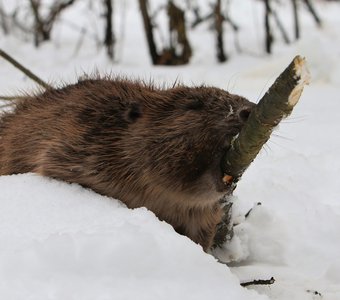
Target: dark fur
158 148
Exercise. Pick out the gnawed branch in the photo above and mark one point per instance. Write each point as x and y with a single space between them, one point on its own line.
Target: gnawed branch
275 105
24 70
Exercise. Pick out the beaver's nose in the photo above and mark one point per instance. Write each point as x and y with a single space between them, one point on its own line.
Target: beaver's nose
244 113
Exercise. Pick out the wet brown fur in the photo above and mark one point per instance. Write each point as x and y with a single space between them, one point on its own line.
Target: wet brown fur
158 148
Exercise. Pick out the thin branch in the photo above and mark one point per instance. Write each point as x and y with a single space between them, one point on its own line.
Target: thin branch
312 10
269 36
56 9
109 36
281 27
9 98
221 56
43 26
2 106
259 282
296 19
200 19
39 25
3 19
250 210
27 72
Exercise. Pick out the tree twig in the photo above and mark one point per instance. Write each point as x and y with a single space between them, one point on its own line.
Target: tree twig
3 20
312 10
221 56
109 36
258 282
281 27
296 19
27 72
44 25
9 98
269 35
2 106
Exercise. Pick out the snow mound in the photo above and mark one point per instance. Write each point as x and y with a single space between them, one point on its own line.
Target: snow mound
60 241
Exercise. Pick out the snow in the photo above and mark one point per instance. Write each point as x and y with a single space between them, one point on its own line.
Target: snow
60 241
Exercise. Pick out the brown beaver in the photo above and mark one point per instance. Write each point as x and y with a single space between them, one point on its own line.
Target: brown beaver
147 146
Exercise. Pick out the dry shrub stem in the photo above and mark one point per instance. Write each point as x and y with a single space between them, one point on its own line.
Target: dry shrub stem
24 70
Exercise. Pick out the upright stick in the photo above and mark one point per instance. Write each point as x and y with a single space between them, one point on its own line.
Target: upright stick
275 105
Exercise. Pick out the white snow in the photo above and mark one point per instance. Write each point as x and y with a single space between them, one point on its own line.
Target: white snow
60 241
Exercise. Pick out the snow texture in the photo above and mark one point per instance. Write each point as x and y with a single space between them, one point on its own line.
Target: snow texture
60 241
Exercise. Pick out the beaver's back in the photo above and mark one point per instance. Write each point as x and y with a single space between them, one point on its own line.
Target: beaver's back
62 118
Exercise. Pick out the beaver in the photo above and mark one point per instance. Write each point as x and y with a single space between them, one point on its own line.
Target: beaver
159 148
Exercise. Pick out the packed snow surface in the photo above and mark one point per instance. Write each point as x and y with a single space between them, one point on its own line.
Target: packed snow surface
61 241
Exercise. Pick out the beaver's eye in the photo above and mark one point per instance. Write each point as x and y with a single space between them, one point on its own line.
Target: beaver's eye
134 112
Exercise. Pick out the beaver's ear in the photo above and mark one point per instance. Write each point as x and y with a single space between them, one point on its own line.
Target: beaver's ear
134 112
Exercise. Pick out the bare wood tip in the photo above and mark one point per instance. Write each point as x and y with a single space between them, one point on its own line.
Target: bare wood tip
303 77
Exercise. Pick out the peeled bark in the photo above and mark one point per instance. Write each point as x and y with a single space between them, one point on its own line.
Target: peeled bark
274 106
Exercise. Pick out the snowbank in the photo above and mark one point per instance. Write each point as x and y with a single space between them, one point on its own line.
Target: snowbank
60 241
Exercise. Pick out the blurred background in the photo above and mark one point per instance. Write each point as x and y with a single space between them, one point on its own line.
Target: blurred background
216 42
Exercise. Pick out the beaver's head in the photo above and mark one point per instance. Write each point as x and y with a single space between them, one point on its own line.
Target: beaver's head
180 136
